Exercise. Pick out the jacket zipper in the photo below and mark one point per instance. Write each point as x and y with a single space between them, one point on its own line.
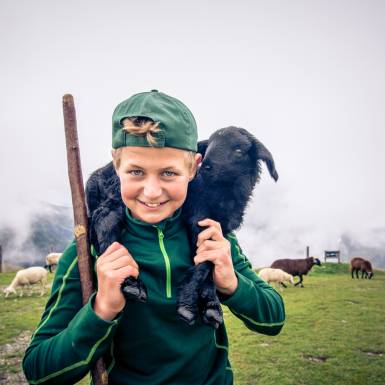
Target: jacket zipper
166 261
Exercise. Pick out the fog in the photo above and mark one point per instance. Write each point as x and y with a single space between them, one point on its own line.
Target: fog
305 77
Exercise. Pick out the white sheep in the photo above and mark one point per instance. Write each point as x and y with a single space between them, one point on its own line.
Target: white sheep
275 275
27 277
52 259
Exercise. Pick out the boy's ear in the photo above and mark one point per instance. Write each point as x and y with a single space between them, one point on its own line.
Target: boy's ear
202 146
113 153
198 161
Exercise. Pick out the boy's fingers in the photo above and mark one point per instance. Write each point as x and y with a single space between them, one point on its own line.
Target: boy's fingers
211 233
206 256
125 260
209 245
128 271
113 247
115 252
210 222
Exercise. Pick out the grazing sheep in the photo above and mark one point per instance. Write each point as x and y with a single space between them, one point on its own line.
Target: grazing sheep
220 191
360 264
275 275
296 267
27 277
52 259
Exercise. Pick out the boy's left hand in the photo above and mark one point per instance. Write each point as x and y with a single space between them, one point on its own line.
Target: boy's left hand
214 247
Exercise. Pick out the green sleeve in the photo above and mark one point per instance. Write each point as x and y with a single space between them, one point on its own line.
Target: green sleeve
255 302
70 336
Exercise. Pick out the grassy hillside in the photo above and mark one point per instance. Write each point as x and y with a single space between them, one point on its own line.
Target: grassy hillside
334 334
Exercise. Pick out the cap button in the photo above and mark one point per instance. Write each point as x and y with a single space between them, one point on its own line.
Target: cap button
154 91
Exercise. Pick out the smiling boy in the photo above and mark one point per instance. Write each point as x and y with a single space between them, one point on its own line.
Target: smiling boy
154 153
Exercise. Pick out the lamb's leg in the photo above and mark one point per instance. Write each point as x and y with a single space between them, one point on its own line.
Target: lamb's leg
283 284
106 225
134 290
209 303
357 273
352 273
188 292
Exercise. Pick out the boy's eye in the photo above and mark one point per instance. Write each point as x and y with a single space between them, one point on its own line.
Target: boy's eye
136 172
169 173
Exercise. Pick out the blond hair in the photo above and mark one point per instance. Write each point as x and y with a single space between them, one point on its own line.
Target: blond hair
143 126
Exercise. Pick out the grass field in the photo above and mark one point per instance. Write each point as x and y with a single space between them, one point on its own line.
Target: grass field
334 334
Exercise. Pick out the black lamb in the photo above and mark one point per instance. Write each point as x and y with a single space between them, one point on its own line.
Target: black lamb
220 191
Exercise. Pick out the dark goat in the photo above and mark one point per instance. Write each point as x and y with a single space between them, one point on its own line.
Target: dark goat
296 267
360 264
220 191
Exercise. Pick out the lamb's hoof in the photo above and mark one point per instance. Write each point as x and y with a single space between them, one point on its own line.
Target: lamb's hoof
134 290
187 315
212 315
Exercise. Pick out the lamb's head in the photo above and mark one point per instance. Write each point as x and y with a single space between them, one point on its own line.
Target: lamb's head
8 290
231 152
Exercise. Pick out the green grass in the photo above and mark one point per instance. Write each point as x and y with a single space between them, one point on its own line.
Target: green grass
334 333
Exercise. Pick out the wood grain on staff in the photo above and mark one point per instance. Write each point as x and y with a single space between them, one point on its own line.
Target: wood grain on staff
99 373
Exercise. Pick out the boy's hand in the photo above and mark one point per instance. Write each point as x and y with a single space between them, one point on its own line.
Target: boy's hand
112 267
214 247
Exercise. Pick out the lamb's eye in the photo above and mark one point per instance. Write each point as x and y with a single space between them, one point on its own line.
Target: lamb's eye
238 151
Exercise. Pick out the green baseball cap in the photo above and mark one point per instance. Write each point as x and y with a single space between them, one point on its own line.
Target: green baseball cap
176 122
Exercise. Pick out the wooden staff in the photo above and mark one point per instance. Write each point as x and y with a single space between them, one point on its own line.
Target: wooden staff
99 373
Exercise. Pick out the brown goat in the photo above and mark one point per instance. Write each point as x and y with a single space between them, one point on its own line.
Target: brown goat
296 267
360 264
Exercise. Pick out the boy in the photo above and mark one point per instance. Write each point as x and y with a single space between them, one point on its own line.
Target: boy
154 141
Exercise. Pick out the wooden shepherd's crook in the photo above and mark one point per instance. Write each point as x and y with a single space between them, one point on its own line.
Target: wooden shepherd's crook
99 373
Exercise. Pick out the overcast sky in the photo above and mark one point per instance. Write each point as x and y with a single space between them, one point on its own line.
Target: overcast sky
305 77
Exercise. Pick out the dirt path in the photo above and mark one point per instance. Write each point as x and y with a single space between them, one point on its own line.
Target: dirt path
10 358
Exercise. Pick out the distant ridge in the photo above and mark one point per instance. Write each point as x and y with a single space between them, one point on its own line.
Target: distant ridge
49 229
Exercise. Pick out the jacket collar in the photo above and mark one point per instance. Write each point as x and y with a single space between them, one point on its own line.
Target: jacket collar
138 227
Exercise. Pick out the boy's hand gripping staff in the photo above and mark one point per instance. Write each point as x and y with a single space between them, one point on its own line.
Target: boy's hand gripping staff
99 373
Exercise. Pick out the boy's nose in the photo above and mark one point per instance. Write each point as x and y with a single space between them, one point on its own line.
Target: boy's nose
152 189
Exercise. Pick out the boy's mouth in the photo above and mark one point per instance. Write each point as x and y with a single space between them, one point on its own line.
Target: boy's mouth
153 205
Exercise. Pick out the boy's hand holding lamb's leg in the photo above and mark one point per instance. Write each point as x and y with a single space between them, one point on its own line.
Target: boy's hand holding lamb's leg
213 248
112 267
201 281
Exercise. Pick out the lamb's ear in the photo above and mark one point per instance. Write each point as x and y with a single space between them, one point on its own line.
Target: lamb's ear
202 147
265 155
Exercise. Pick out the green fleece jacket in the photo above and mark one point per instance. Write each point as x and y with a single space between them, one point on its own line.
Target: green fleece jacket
147 343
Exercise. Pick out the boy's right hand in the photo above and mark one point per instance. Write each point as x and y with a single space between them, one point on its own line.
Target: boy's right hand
112 267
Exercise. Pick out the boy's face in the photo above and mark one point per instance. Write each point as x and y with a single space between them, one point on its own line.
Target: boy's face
154 181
